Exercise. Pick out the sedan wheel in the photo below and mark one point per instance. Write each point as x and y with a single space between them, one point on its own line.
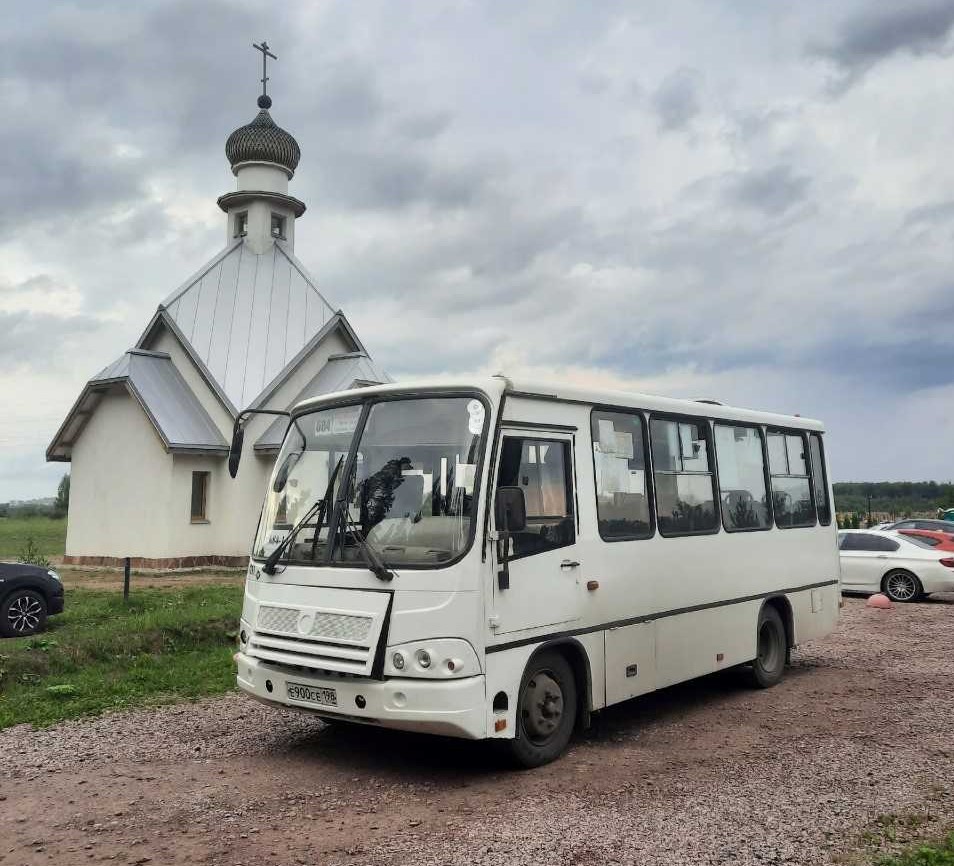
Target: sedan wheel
22 613
901 586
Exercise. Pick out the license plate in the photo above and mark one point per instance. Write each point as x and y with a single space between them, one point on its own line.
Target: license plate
299 692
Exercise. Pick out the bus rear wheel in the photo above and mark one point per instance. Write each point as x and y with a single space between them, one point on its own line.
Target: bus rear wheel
771 645
546 711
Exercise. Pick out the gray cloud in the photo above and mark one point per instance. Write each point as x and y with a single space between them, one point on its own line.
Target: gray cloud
42 340
48 175
772 191
938 212
677 100
425 126
873 34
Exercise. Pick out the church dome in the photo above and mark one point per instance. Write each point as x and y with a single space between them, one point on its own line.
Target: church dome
263 140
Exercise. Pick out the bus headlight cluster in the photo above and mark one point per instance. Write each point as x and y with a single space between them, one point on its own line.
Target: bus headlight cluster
444 658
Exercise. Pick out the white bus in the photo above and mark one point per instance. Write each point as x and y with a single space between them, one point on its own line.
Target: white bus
500 559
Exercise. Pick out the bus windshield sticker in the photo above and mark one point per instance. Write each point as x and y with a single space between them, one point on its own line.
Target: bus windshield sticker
342 421
475 412
464 476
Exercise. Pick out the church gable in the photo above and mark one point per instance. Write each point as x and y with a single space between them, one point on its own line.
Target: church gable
247 317
341 372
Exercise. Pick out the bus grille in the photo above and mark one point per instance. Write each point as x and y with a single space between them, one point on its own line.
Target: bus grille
313 639
321 625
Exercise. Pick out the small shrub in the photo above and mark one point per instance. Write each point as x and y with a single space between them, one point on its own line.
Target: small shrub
64 690
31 554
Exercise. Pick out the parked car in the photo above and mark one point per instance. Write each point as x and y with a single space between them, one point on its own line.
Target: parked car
923 523
903 567
28 595
938 540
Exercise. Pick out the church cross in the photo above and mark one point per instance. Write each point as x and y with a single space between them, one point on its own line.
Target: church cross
265 55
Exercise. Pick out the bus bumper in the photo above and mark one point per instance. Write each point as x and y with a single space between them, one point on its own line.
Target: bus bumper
451 707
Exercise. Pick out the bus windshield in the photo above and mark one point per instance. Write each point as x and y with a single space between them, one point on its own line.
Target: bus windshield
409 476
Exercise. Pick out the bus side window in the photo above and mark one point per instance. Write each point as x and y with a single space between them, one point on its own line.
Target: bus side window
820 479
745 502
619 461
791 486
541 469
682 477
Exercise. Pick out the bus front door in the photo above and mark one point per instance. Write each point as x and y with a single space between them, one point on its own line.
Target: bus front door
543 559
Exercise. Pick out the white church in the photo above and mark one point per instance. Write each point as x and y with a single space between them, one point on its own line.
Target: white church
148 437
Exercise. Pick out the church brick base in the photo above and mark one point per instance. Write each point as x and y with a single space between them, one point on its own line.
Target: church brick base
171 563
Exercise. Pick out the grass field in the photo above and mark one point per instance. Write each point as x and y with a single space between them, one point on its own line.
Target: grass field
48 535
167 644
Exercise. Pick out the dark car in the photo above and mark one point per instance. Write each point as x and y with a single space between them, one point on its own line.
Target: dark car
923 523
28 595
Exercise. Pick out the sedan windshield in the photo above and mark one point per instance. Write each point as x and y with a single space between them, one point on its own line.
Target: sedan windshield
409 479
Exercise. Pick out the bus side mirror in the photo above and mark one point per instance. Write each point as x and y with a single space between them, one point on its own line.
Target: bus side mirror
235 451
510 515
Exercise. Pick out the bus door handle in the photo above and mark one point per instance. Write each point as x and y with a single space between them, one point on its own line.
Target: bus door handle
569 563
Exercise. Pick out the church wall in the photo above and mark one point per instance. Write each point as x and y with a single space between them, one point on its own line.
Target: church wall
233 506
119 486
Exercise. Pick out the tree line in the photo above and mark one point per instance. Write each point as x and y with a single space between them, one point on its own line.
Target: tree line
53 509
894 497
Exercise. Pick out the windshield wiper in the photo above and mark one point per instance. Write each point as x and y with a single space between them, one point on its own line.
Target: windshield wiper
372 558
320 508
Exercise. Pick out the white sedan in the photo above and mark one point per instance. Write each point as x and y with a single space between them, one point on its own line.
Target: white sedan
901 566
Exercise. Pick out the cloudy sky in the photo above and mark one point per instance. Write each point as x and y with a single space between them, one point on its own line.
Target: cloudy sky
752 202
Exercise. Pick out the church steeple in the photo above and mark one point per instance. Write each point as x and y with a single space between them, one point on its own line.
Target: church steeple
263 157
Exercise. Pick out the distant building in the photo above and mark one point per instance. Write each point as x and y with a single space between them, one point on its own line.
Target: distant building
148 437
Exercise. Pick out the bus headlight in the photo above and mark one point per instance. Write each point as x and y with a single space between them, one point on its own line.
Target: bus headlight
442 658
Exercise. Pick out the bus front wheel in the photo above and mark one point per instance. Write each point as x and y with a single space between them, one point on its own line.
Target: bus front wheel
771 649
546 712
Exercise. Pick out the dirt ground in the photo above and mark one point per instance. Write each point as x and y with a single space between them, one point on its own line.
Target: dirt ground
853 750
104 578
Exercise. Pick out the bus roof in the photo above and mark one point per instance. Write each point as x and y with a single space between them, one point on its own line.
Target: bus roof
496 386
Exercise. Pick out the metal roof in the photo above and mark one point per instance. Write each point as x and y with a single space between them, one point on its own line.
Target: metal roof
247 317
340 373
151 377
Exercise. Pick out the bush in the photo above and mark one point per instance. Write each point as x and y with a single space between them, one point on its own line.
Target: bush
31 554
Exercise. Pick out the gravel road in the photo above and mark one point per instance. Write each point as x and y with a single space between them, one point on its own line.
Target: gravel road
851 753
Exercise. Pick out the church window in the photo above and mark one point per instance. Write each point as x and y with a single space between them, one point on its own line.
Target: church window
278 226
200 496
241 224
